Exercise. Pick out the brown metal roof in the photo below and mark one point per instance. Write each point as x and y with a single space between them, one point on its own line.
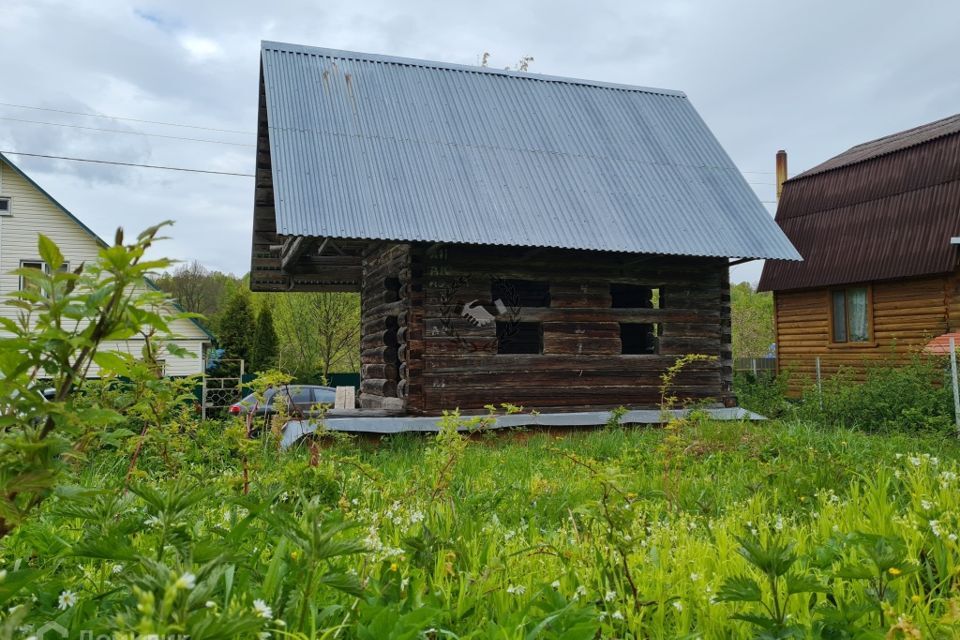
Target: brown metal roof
888 144
882 210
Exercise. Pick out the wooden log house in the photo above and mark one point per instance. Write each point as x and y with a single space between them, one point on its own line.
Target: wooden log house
877 227
515 238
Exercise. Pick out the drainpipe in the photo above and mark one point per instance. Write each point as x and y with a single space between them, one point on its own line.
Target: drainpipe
781 171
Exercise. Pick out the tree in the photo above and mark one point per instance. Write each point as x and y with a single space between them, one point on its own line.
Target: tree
263 351
751 319
196 288
318 332
235 333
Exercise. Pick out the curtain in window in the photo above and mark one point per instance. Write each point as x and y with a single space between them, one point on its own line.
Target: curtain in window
839 317
857 309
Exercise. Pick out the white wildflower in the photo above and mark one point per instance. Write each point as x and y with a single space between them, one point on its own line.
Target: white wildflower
610 596
517 590
416 516
952 537
210 604
694 576
915 461
926 505
117 568
617 615
678 605
405 582
66 600
263 635
152 521
3 575
186 581
555 584
261 609
778 525
935 527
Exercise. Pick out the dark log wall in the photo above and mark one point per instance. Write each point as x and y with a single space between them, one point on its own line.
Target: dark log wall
450 355
384 306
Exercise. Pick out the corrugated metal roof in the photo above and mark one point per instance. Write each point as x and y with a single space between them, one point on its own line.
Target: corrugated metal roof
888 144
375 147
891 216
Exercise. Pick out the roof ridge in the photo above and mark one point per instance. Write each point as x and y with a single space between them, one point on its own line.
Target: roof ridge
930 128
287 47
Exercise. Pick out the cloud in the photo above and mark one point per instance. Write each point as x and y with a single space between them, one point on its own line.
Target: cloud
200 49
813 78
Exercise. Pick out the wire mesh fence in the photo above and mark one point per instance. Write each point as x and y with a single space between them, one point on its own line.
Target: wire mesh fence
757 366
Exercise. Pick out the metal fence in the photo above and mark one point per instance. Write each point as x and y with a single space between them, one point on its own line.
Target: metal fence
757 366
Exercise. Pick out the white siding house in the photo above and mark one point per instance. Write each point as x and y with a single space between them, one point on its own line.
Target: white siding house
26 210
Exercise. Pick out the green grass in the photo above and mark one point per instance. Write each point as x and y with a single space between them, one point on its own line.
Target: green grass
619 532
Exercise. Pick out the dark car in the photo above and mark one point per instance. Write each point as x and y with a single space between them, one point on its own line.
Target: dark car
297 398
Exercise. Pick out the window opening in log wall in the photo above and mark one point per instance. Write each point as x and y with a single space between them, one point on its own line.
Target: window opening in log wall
520 293
633 296
519 337
638 338
392 286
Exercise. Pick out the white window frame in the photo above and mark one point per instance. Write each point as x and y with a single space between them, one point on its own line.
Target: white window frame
43 265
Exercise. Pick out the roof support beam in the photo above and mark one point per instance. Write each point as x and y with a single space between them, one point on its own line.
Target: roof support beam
293 248
734 263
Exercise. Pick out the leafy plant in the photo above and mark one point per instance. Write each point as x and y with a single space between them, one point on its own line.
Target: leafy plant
63 318
774 560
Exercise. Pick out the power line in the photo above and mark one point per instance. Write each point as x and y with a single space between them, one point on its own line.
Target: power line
129 164
99 115
135 133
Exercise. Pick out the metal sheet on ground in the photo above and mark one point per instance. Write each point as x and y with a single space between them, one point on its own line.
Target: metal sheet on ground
297 429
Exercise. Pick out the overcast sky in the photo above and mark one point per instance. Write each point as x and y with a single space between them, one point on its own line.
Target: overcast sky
811 77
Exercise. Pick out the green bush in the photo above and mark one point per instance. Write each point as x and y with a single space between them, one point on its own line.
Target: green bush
763 394
915 396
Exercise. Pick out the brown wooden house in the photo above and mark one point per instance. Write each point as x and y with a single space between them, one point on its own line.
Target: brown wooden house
547 242
876 227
